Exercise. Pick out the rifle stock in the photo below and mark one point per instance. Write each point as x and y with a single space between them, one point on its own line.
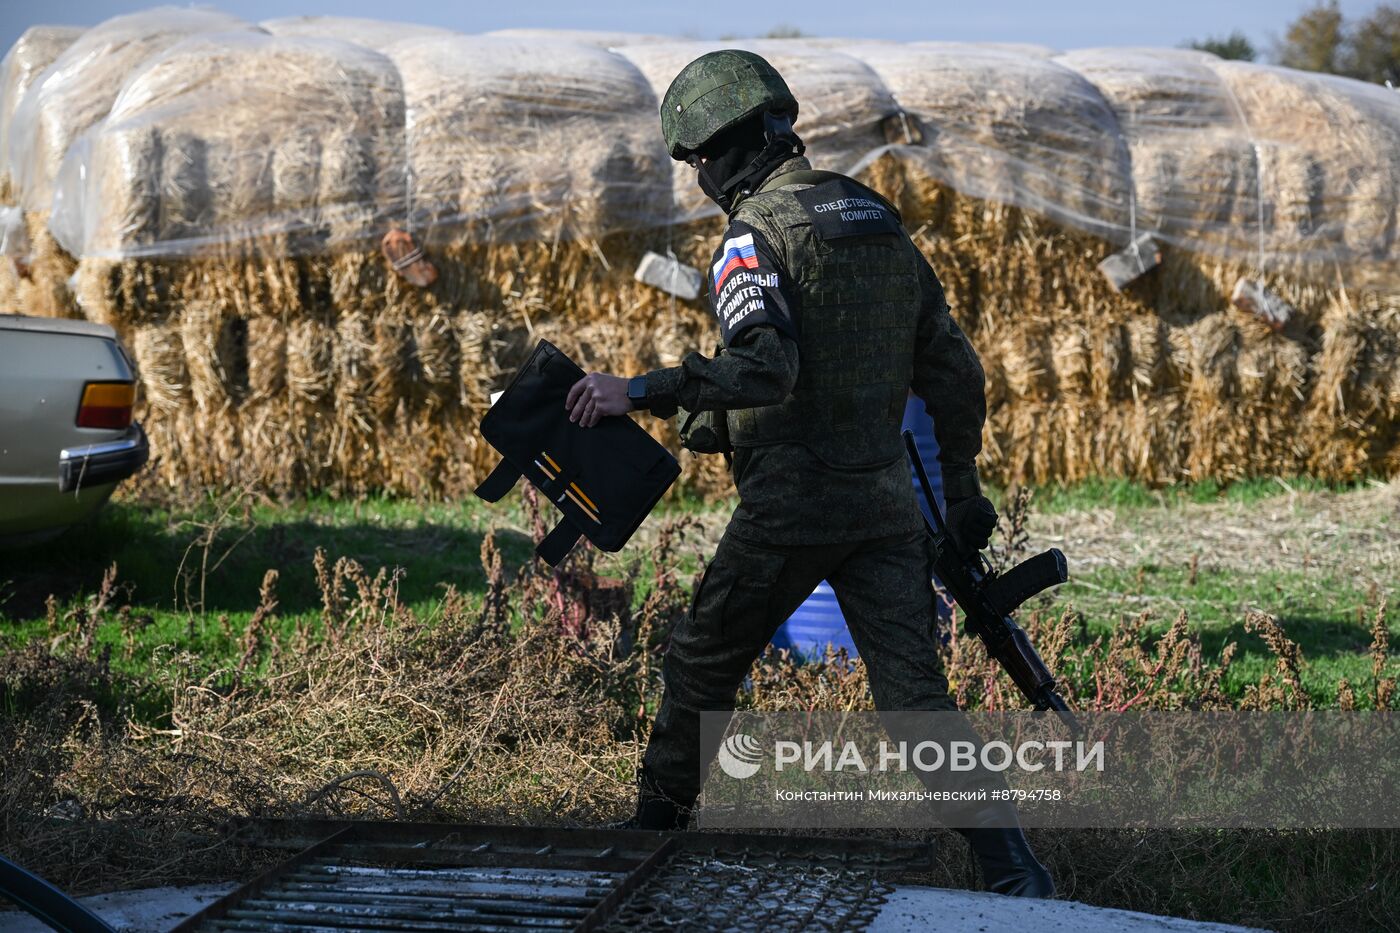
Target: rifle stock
987 601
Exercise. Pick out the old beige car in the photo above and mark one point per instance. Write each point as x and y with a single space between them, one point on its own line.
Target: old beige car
66 432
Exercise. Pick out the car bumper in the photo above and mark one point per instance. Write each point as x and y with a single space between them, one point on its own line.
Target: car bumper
101 464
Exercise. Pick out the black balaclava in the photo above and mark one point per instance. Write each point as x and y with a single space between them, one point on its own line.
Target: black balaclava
741 157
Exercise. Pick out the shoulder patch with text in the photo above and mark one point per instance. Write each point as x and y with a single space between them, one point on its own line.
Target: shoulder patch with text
841 208
746 287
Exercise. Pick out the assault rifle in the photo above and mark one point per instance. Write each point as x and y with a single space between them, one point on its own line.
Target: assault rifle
987 600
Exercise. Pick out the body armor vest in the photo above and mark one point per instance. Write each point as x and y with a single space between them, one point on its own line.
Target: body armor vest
857 308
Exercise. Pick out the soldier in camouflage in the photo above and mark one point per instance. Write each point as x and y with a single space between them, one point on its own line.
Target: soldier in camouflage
829 316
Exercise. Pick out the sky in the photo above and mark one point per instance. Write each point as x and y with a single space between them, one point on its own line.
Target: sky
1062 24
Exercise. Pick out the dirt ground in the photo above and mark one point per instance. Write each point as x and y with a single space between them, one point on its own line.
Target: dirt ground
1355 532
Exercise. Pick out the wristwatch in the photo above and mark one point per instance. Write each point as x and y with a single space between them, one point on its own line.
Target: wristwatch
637 392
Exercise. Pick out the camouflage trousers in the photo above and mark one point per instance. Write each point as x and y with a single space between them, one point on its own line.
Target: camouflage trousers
884 590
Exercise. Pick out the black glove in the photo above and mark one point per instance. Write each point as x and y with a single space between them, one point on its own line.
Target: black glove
971 522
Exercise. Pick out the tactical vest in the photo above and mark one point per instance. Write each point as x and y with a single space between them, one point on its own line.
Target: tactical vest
856 273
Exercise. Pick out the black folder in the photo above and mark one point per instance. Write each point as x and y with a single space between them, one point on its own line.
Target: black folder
605 479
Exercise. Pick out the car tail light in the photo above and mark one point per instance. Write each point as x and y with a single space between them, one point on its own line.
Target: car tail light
107 405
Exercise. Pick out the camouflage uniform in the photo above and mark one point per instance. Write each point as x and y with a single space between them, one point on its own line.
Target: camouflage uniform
829 315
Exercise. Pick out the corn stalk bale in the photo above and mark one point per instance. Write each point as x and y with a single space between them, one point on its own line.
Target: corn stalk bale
192 181
513 140
394 371
603 39
1005 126
354 375
1214 342
160 362
376 34
439 354
1331 170
32 53
267 359
205 119
46 291
78 89
1070 359
311 361
216 357
1150 354
1110 363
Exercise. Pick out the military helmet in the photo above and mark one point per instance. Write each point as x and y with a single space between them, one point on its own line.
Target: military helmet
716 91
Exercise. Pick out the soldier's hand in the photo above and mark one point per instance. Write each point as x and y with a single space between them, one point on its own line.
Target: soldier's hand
595 396
971 522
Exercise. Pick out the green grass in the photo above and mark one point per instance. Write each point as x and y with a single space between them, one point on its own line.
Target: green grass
1120 494
192 574
1328 615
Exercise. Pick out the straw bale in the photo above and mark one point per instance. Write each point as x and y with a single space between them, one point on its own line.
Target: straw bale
1111 363
1156 90
1273 369
1069 353
602 39
1357 364
439 352
191 156
1026 361
303 362
1058 442
994 374
512 139
267 359
1214 348
216 356
1152 368
842 103
1195 174
80 86
189 183
1199 187
354 376
160 362
1001 125
1331 170
1021 49
311 360
34 51
394 371
46 291
377 34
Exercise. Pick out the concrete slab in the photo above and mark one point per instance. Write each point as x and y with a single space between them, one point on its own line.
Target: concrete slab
911 908
149 910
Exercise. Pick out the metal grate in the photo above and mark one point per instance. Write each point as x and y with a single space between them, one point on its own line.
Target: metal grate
435 877
741 890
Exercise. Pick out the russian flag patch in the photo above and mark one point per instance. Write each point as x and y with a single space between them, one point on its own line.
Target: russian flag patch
737 253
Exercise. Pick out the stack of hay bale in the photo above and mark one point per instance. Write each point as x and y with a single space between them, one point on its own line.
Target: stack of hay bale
219 192
226 208
68 98
1164 380
22 65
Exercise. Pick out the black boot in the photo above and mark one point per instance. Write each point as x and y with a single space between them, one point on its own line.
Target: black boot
656 809
1008 864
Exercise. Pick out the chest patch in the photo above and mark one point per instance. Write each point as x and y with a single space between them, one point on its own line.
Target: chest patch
841 208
